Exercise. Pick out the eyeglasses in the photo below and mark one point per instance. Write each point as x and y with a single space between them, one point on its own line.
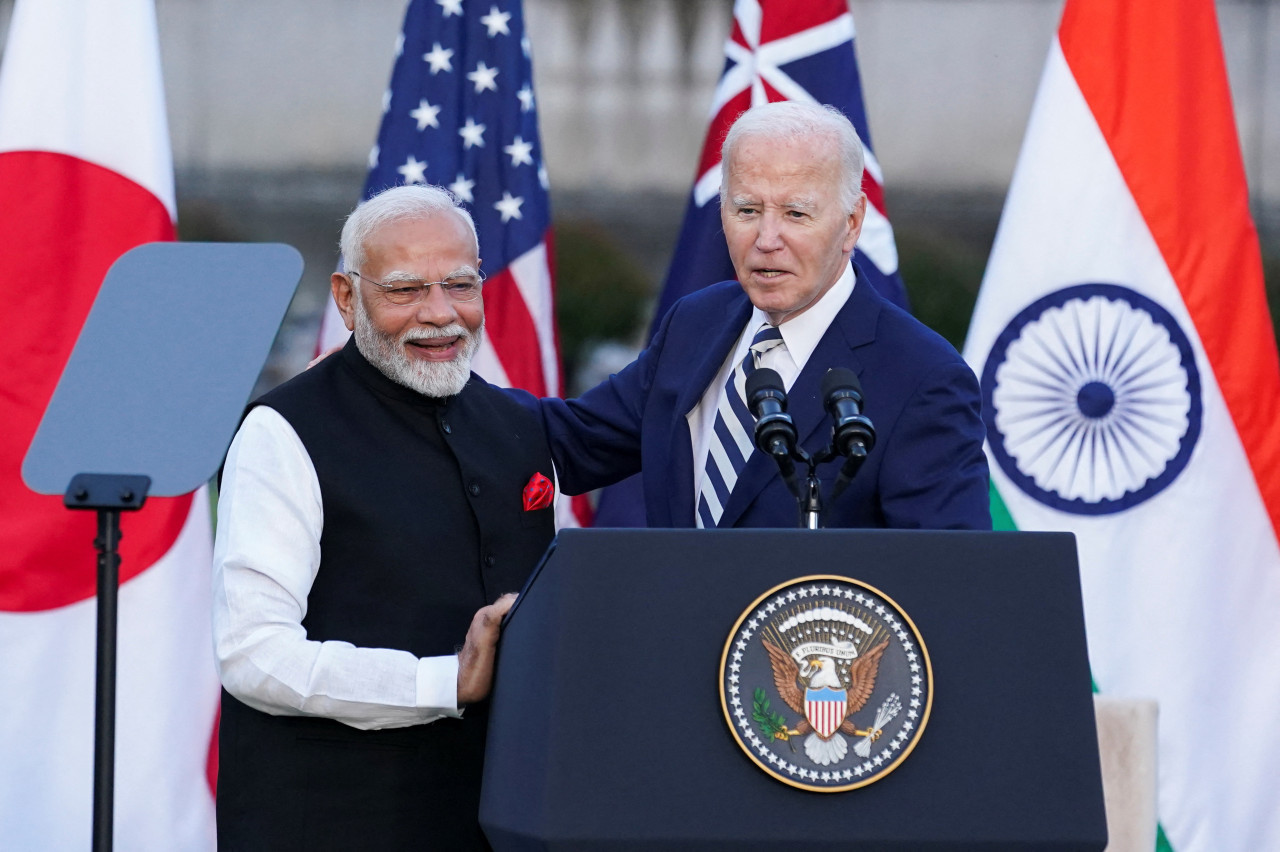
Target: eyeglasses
459 288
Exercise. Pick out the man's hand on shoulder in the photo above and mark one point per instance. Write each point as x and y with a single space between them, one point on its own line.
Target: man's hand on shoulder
475 660
325 354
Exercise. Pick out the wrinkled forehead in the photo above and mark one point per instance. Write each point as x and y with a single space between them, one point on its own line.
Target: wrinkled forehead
438 245
441 233
764 158
794 177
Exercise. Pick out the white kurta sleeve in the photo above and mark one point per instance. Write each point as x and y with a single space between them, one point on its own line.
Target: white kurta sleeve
266 554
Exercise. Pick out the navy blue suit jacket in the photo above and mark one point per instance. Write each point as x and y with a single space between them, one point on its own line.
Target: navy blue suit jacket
927 469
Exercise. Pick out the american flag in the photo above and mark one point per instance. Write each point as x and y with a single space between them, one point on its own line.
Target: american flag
779 50
460 113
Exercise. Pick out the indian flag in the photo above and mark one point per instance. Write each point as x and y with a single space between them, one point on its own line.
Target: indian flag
85 175
1132 396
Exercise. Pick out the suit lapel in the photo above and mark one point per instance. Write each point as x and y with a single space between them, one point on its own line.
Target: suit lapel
854 326
705 359
707 356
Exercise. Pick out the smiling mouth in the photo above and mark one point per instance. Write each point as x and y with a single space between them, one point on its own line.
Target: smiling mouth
770 273
435 347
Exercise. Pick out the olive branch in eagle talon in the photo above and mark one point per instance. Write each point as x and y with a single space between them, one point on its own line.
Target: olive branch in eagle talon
771 724
791 683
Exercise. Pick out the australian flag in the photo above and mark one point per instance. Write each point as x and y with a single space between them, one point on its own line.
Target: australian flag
460 113
779 50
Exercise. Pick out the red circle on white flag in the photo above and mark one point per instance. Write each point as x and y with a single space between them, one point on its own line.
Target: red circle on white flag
63 223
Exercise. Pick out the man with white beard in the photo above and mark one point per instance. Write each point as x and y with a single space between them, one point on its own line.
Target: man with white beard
374 511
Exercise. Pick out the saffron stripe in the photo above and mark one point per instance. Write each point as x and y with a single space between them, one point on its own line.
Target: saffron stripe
1166 114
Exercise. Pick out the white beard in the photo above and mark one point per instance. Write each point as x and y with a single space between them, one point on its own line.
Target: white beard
437 379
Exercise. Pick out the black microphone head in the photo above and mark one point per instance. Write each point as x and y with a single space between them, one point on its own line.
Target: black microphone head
838 379
775 433
764 379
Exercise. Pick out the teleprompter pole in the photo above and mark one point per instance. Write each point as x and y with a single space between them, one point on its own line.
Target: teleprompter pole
104 708
108 494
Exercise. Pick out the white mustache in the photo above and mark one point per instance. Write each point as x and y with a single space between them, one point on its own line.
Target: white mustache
453 330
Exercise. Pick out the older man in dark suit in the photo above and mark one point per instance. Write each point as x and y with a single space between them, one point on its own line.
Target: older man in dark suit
792 208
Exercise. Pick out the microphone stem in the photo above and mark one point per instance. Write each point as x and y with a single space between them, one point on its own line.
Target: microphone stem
848 471
811 505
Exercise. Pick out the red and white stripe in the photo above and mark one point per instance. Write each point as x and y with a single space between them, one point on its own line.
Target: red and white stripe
825 715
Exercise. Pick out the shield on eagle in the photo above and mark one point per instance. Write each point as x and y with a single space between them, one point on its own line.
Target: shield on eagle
825 709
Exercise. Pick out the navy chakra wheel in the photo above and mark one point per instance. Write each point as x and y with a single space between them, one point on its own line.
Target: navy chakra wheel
1091 399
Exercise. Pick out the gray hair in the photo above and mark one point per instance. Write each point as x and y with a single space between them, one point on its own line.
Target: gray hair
397 204
794 121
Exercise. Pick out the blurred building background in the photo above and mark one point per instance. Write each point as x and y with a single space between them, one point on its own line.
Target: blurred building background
274 105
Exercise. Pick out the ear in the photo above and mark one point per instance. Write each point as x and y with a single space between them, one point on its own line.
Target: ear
855 224
344 296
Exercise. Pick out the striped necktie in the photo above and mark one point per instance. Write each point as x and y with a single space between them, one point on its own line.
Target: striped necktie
733 437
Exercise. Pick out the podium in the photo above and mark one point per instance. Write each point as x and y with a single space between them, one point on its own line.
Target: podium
607 729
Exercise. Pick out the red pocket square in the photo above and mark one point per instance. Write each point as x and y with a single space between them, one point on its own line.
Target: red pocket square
538 493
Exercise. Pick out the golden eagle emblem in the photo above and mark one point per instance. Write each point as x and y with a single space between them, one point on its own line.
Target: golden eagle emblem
804 687
828 650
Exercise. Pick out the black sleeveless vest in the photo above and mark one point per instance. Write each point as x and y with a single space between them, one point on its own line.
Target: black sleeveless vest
423 525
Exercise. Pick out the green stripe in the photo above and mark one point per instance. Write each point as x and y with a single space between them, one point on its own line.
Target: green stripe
1001 520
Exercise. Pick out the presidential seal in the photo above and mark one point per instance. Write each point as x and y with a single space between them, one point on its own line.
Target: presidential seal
825 683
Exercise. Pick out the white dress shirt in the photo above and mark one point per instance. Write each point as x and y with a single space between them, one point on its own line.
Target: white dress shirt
265 557
801 335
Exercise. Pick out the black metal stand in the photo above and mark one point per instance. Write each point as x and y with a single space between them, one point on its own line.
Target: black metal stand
809 495
108 494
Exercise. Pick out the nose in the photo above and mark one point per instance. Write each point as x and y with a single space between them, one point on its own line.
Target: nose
436 308
769 233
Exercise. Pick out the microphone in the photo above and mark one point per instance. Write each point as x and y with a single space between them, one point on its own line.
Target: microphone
852 433
775 431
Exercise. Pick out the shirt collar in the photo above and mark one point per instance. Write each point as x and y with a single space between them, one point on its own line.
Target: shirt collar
802 333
